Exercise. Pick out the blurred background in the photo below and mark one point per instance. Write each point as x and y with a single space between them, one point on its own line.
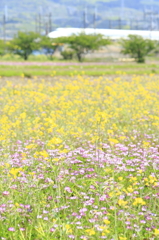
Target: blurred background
44 16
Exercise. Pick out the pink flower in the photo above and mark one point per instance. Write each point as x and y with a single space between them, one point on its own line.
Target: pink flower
11 229
52 229
68 189
5 193
82 210
71 236
49 198
22 229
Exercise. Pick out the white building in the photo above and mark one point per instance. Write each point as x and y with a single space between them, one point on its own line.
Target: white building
111 33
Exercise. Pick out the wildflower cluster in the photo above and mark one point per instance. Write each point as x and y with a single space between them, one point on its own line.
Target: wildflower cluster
80 159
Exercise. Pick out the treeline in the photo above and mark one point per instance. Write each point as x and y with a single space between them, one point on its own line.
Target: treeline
75 46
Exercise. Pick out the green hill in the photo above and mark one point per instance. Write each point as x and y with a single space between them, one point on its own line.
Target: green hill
46 15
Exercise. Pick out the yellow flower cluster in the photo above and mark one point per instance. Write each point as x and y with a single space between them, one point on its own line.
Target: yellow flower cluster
122 202
139 201
97 109
90 232
14 172
151 180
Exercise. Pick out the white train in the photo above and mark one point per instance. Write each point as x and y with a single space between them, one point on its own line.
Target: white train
111 33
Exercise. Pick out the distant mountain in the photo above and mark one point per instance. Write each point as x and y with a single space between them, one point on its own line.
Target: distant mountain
46 15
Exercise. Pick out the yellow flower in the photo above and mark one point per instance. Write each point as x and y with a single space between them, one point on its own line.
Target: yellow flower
15 171
54 141
113 141
152 179
156 231
68 228
133 179
44 154
122 202
108 170
106 221
130 189
7 165
32 173
120 178
122 238
105 232
110 131
118 193
90 231
139 201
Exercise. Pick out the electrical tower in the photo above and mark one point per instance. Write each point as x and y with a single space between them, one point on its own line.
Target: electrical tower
152 16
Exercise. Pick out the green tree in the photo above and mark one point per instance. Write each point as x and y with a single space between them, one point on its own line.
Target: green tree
82 44
24 44
2 47
67 54
137 47
49 45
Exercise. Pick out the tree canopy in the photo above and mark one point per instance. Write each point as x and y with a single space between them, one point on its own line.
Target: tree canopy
81 44
137 47
25 43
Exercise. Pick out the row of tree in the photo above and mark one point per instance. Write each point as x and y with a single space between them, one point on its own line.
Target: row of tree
76 45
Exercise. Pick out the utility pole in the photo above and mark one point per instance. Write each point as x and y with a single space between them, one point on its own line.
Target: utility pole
47 23
131 23
6 12
94 18
36 24
46 31
119 23
122 10
151 22
152 15
157 22
4 28
110 24
50 22
84 18
137 26
39 23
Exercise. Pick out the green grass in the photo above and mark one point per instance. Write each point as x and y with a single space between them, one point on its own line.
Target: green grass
71 70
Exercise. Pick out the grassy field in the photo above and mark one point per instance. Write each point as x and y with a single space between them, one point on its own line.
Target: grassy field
61 69
79 156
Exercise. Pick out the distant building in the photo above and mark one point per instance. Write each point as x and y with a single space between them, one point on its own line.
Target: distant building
111 33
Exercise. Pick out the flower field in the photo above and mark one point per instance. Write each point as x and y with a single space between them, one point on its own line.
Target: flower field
79 158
